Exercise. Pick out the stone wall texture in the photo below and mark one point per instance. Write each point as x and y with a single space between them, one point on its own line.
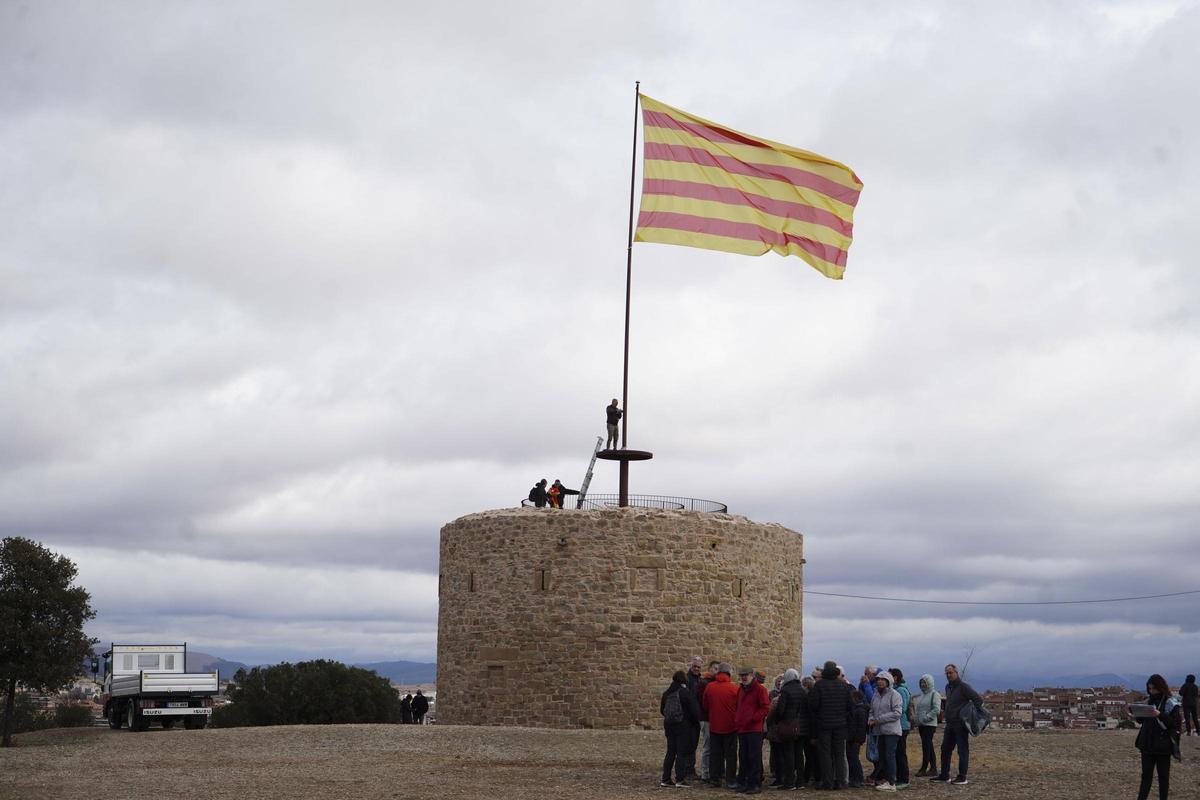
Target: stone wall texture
577 619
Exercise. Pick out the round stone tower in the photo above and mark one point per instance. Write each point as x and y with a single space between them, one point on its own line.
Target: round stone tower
577 619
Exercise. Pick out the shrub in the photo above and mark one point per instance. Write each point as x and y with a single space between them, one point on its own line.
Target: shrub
73 715
308 693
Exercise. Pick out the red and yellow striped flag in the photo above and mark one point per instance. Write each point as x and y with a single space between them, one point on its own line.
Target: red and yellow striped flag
705 185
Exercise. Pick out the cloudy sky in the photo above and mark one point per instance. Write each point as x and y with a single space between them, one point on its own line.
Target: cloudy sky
284 288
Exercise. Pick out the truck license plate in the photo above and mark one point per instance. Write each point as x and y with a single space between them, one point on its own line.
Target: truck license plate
177 705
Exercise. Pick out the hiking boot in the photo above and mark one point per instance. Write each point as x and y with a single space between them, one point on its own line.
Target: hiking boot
961 780
666 783
884 786
683 785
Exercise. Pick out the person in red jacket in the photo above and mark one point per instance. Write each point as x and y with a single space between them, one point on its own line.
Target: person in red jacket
752 708
720 703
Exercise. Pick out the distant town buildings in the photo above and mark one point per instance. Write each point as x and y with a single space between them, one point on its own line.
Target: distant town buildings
1094 709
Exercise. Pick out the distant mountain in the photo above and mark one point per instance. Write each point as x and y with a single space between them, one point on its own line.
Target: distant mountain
403 672
203 662
1000 682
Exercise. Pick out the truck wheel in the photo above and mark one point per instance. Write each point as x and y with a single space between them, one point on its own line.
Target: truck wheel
114 716
134 719
168 723
195 723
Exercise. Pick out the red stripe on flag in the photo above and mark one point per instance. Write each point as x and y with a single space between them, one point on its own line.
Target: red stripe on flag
734 197
739 230
796 177
712 133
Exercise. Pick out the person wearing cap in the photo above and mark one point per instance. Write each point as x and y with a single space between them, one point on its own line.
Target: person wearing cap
829 701
752 708
886 709
720 701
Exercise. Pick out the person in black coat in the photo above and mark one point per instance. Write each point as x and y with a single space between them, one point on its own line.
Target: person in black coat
406 710
1157 738
1190 696
538 494
792 722
856 736
420 705
679 733
829 701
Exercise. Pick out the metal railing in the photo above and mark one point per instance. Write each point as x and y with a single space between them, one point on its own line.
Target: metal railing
597 502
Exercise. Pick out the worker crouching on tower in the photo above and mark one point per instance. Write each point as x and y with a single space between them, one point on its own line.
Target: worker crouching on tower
752 708
720 701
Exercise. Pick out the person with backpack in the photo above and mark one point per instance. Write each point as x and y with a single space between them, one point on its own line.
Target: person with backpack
927 708
538 495
680 716
1158 737
956 736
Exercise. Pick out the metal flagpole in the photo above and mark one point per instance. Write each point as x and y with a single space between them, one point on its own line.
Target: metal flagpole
624 455
629 272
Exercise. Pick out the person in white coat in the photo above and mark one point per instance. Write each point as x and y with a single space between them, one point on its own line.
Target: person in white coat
884 722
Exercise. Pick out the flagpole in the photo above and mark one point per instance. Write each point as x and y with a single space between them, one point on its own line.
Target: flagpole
628 284
624 455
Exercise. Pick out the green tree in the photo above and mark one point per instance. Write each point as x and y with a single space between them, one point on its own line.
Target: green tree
41 622
308 693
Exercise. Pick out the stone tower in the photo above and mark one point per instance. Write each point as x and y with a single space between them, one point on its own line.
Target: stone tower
577 619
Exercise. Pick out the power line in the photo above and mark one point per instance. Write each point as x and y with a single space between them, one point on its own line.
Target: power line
1003 603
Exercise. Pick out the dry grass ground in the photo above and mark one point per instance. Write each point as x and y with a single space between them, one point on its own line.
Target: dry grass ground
436 762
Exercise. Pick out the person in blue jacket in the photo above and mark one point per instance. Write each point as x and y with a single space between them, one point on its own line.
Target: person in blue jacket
901 689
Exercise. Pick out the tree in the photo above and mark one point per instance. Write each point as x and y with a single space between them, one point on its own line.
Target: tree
307 693
41 622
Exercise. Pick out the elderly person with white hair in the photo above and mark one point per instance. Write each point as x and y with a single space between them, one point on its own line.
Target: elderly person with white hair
793 729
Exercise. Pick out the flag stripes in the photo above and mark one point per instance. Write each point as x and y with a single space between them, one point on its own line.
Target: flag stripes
708 186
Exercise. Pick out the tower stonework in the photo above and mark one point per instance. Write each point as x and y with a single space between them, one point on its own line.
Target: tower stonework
577 619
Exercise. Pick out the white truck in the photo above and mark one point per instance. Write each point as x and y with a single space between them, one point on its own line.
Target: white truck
144 682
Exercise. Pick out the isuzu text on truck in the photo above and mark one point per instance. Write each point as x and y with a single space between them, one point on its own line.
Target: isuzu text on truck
143 683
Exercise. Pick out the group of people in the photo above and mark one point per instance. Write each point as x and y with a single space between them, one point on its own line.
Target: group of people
817 726
413 709
553 496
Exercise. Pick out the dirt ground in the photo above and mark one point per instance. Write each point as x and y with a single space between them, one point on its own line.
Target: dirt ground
442 762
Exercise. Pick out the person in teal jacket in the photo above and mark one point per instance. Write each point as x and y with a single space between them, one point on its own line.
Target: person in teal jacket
901 688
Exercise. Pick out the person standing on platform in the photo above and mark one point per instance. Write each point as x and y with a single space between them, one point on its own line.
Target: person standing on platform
613 415
538 495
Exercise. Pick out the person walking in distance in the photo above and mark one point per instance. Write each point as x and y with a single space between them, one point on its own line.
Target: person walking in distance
1157 739
1187 694
680 716
613 415
956 735
420 705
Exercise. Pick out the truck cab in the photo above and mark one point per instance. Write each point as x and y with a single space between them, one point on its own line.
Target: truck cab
142 683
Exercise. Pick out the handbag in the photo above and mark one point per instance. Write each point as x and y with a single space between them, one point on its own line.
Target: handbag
872 747
788 730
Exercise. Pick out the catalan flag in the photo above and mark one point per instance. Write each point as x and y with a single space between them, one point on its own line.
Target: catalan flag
705 185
